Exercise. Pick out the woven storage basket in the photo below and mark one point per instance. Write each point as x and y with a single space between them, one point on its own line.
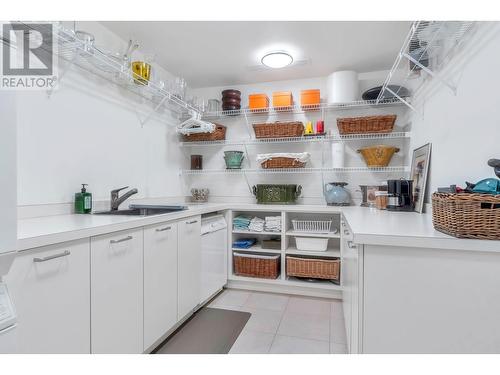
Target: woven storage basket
367 124
313 268
262 266
378 156
279 129
218 135
280 162
467 215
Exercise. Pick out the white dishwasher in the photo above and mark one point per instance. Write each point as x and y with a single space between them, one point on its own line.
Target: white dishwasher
213 255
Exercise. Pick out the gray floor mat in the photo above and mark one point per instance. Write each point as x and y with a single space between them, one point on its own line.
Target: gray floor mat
210 331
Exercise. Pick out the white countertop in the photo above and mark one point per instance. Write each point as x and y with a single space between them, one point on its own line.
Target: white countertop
369 226
409 229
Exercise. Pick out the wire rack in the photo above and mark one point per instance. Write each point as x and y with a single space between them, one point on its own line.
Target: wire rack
313 226
395 169
298 109
111 68
428 47
308 139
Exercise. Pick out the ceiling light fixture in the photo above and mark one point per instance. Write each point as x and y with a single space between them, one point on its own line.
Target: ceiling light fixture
277 60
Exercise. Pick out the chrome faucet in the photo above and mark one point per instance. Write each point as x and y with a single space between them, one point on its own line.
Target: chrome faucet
116 200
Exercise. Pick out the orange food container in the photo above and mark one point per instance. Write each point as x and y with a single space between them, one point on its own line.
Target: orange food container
282 99
258 101
309 97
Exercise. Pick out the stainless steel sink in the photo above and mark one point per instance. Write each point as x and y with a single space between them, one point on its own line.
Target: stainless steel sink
145 211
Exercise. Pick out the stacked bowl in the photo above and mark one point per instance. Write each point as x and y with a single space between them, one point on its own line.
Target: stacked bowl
231 100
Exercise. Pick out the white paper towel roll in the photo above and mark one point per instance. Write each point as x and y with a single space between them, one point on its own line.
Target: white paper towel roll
338 151
343 86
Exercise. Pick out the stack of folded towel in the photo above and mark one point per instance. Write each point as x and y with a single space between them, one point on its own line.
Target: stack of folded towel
256 225
241 222
273 224
244 243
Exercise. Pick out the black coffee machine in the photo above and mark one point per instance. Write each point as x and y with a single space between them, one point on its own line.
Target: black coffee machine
400 197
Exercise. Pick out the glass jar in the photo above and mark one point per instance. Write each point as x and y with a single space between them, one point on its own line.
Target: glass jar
381 199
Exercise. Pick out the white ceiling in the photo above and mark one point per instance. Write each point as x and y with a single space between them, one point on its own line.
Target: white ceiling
226 53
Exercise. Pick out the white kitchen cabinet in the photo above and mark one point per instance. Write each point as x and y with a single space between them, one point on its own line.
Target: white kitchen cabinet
189 261
419 300
352 283
50 287
160 281
117 292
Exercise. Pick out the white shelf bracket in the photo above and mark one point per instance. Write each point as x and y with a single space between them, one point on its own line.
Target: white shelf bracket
248 183
62 74
248 125
247 156
148 117
402 100
431 73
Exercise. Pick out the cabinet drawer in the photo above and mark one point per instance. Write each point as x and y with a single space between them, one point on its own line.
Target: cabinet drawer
117 292
50 287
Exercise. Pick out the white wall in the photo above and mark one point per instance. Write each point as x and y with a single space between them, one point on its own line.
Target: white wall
88 131
464 129
8 216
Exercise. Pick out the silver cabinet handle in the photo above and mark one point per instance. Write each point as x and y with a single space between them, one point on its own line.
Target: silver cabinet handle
128 238
191 222
351 245
163 229
65 253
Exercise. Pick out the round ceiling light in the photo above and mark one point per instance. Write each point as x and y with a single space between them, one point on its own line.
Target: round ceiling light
277 60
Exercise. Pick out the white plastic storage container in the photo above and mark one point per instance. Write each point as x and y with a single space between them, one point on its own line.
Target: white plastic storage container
311 244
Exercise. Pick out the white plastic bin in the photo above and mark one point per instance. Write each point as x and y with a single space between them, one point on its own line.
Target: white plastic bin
311 243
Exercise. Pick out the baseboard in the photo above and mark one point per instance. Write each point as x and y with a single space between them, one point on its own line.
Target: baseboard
284 289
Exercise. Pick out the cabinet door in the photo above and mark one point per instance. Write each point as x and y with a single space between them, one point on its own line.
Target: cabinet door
189 253
160 281
355 275
346 274
117 292
50 288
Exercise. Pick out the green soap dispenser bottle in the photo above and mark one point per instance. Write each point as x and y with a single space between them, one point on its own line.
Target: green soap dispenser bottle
83 201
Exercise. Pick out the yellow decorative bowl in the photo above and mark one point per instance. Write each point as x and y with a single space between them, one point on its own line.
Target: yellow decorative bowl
378 156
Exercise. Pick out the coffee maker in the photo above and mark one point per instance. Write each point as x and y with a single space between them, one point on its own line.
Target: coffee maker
400 195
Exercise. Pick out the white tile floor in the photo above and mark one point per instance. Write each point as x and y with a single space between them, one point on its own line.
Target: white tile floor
286 324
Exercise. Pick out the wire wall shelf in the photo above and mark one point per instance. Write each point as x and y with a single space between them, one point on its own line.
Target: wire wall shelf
113 68
396 169
308 139
428 47
298 109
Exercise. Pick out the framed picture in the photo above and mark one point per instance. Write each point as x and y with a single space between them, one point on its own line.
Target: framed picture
419 168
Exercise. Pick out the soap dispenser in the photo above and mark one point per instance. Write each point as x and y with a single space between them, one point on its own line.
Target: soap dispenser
83 201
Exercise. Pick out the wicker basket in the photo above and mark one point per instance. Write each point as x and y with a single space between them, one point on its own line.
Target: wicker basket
367 124
218 135
261 265
467 215
316 268
378 156
279 129
280 162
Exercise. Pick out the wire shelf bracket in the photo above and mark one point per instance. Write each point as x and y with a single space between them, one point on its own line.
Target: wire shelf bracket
428 47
